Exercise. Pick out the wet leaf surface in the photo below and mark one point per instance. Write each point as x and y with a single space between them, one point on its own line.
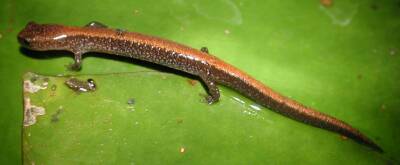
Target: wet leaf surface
341 58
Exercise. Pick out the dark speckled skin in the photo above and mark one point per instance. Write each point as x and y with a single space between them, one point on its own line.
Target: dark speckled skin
97 38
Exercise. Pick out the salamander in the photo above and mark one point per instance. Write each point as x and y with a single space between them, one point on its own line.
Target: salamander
96 37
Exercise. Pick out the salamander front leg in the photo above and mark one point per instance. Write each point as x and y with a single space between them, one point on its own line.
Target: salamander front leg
77 62
213 91
95 24
204 50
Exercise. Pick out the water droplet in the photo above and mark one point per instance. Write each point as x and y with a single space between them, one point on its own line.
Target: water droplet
238 100
182 150
226 31
255 107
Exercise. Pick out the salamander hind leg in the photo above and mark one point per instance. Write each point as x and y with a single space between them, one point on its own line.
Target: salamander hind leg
212 89
77 62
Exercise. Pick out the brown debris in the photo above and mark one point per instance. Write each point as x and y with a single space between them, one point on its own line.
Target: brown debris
136 12
374 6
179 121
326 3
359 76
383 107
192 82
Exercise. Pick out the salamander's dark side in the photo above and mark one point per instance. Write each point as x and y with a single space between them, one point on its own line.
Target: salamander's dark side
96 38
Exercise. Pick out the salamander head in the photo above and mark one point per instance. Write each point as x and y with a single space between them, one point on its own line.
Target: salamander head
42 37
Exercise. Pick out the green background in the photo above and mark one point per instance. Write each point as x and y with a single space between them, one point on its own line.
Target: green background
343 60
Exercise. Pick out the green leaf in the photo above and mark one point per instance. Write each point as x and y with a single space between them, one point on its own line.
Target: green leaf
157 118
342 59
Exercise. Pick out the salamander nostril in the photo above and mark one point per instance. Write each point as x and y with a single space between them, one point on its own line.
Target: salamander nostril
23 42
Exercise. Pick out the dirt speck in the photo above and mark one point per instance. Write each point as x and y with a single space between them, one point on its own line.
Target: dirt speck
192 82
131 101
9 30
343 137
326 3
56 116
393 51
53 87
179 121
136 12
34 78
360 76
383 107
374 6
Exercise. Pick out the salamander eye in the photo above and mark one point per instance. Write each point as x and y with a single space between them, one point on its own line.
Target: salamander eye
23 42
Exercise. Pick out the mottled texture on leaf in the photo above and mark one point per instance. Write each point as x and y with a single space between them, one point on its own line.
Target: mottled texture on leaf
168 121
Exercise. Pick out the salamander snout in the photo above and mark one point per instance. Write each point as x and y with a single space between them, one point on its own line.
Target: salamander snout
26 35
41 37
23 41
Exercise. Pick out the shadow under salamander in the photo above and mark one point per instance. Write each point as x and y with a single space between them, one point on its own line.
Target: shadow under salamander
57 54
